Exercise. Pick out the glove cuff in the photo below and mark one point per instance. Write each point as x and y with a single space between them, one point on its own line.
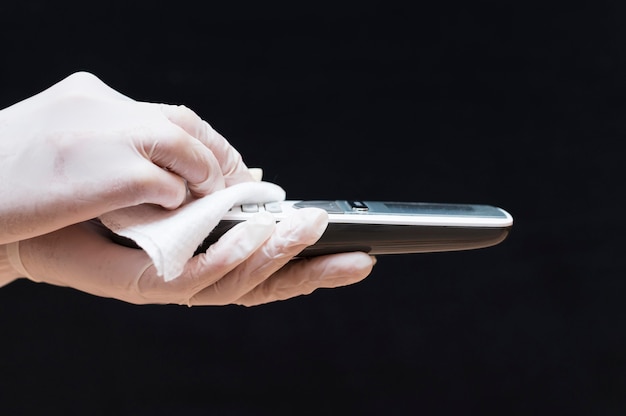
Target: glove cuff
14 259
8 271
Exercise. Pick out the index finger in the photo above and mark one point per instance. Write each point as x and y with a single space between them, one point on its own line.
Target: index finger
230 161
175 150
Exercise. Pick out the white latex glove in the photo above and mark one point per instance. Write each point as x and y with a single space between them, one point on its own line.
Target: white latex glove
80 149
249 265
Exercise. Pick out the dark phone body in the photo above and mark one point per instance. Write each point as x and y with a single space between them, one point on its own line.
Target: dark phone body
379 228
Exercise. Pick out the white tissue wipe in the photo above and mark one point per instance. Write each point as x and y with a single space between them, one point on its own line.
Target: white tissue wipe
170 237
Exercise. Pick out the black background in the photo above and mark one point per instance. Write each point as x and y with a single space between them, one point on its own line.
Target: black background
520 105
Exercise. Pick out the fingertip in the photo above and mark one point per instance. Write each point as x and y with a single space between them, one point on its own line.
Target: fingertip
349 267
256 174
311 221
361 262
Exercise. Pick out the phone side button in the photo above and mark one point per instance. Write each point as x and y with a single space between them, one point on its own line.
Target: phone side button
250 208
358 206
273 207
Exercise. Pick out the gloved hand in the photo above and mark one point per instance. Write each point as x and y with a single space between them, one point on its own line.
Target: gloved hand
80 149
249 265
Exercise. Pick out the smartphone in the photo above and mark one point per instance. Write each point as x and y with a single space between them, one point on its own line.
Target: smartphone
378 227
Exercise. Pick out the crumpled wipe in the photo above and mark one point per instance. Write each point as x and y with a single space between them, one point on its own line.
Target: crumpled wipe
170 237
